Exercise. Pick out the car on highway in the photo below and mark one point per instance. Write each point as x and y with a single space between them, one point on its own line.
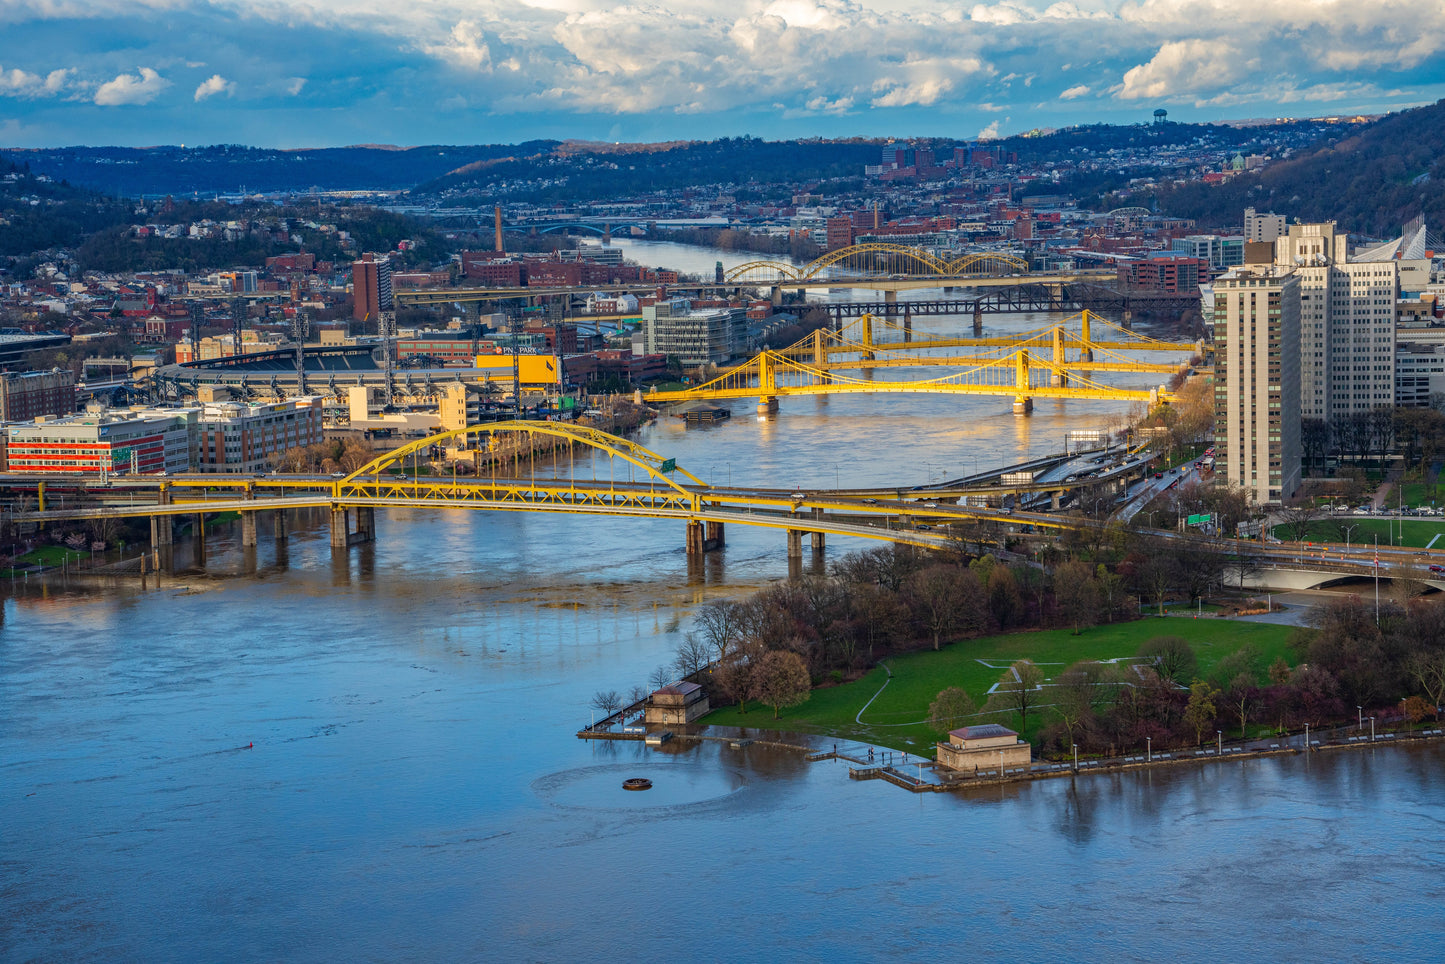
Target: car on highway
870 501
1436 567
930 505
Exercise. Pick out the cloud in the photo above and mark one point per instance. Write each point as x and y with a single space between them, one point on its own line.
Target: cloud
22 83
131 89
213 85
989 133
1188 67
295 85
1074 93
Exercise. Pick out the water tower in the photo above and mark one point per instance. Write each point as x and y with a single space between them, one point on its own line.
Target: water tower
1160 115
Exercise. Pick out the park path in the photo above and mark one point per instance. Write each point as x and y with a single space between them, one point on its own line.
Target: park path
859 718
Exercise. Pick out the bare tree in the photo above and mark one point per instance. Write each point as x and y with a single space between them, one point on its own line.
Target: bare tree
1300 517
662 676
948 598
606 702
1077 594
1018 690
721 625
692 655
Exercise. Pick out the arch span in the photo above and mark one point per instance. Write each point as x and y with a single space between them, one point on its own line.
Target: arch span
649 461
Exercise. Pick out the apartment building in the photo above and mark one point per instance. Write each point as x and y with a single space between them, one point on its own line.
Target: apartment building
1256 380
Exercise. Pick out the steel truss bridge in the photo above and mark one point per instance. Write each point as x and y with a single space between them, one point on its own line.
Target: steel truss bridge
880 258
1050 362
913 516
1023 297
656 488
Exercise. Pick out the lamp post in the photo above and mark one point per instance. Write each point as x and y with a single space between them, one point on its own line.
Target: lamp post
1360 716
1372 729
1348 530
1076 758
1148 749
1219 742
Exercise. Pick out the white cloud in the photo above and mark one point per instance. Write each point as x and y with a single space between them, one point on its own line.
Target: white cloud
465 47
213 85
1186 67
989 133
135 89
22 83
294 86
1073 93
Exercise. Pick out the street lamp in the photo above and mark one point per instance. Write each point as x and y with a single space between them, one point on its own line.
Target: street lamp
1372 729
1349 529
1148 749
1076 757
1360 716
1219 742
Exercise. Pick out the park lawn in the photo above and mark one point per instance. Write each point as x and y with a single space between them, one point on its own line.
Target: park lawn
1418 533
895 718
51 556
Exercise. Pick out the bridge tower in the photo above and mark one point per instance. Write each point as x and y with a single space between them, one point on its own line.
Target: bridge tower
1059 378
767 385
1023 400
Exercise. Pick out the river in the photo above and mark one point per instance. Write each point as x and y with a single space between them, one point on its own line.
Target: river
294 756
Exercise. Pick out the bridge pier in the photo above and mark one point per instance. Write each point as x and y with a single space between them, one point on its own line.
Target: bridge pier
1023 405
279 517
340 528
795 543
907 325
715 538
768 405
776 295
366 524
978 319
161 540
1054 500
248 528
818 541
695 543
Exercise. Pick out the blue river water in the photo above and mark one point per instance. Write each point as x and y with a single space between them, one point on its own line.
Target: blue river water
290 755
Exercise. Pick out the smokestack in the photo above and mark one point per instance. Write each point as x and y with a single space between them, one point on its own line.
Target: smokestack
499 227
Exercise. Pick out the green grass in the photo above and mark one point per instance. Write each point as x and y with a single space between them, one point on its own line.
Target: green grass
895 718
1417 532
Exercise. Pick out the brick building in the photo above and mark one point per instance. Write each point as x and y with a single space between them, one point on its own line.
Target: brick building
26 395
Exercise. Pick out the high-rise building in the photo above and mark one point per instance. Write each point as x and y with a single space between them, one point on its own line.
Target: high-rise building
1256 380
25 395
370 286
1264 227
1347 322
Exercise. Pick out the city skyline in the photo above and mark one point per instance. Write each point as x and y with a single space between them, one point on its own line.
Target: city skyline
310 74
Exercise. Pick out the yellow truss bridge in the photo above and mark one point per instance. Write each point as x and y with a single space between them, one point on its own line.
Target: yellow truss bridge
1054 361
881 258
655 487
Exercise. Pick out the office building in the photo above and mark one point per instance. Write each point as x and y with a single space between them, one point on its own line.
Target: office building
1347 322
242 437
1264 227
1256 380
708 337
101 441
370 286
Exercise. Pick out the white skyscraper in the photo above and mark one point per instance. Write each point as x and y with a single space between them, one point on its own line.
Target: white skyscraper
1347 323
1256 380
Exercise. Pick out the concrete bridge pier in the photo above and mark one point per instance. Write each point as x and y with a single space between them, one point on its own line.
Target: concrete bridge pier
340 528
365 524
768 405
248 528
279 523
775 295
161 541
1054 500
977 319
1023 405
695 543
817 541
907 325
715 538
795 544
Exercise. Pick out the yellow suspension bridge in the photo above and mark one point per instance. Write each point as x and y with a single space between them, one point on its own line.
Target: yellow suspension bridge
1053 361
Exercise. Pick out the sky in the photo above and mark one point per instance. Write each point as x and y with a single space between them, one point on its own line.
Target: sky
315 73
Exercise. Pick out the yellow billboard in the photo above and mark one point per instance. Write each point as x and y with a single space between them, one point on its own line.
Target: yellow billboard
535 369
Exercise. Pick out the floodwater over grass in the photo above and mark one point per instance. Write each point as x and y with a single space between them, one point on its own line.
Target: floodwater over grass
896 716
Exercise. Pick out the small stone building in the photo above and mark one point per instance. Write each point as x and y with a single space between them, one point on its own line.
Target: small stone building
987 746
678 703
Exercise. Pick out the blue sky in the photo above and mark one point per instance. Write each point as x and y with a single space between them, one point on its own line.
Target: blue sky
297 73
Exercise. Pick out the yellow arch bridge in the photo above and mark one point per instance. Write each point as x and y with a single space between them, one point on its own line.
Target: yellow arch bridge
880 258
1055 361
656 488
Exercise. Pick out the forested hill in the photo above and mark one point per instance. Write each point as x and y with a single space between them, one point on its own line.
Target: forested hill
1370 181
586 171
227 168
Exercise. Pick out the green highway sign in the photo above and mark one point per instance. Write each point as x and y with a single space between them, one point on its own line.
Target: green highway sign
667 466
1198 520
